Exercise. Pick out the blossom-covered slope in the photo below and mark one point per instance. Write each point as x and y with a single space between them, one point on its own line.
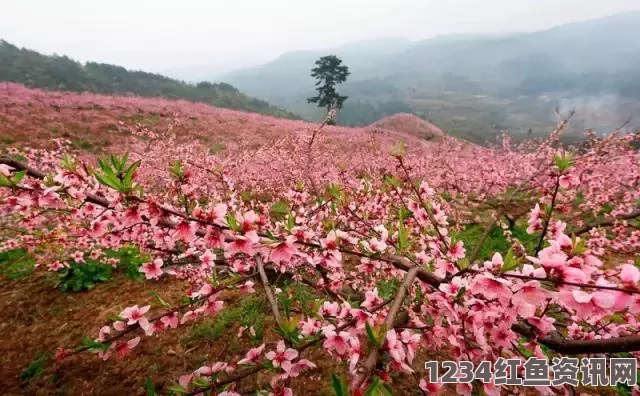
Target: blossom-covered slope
361 252
256 147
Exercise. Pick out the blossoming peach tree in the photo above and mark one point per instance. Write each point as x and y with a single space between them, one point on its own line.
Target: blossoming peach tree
566 286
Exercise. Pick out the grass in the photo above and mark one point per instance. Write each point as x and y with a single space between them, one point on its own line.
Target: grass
496 241
16 263
217 148
387 288
297 298
248 312
35 368
81 144
130 260
7 140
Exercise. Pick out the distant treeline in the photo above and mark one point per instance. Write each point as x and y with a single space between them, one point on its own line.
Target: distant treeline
62 73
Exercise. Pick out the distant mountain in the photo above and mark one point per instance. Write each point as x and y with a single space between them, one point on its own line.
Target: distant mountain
62 73
289 73
476 85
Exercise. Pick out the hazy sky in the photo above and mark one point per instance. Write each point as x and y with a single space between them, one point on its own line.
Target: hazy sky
158 35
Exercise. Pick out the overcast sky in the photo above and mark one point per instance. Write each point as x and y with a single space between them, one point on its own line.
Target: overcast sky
159 35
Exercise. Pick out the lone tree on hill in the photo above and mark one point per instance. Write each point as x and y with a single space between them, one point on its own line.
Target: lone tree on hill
329 71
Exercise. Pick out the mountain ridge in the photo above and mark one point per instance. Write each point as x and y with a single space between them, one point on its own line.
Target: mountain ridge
475 86
59 72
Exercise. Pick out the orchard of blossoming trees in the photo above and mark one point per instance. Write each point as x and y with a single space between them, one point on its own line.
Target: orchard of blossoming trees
370 223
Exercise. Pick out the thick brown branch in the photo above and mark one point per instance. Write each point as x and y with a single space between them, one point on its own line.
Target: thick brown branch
575 347
372 359
608 222
267 291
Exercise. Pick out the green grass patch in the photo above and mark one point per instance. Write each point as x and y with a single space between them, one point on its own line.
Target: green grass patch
249 312
81 144
16 263
495 241
217 148
387 288
297 297
83 276
131 259
35 368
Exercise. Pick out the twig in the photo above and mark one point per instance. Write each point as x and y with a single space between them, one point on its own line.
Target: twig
548 219
372 359
267 290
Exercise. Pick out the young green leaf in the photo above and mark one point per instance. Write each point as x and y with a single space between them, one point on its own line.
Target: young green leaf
403 237
4 181
372 336
378 388
18 176
178 389
127 180
510 262
279 210
339 387
148 386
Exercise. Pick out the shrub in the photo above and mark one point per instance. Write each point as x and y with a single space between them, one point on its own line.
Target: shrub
83 276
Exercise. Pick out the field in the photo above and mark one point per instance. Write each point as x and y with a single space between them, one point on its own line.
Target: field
150 246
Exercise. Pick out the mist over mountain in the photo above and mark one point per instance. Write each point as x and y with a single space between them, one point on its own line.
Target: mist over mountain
475 85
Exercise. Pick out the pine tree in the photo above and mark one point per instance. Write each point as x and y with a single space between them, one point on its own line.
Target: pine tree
329 72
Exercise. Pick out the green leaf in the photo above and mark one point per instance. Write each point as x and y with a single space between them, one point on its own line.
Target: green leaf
392 181
127 180
109 180
4 181
68 163
372 336
201 382
510 262
458 298
159 299
176 169
334 191
35 368
94 345
378 388
18 176
579 246
403 237
148 386
291 222
563 161
279 210
233 223
404 213
178 389
339 387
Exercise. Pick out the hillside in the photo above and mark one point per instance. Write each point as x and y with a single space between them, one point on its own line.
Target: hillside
409 124
224 238
251 145
62 73
477 85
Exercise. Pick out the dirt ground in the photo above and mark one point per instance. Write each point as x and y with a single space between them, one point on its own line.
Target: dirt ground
35 317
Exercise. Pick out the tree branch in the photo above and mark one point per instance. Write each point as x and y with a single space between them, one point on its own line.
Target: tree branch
608 222
372 359
267 290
